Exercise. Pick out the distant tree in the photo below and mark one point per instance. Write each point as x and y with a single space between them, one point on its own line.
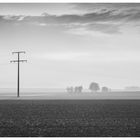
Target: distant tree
78 89
94 86
105 89
69 89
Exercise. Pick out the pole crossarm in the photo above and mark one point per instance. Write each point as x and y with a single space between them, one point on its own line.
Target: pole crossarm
18 62
19 52
14 61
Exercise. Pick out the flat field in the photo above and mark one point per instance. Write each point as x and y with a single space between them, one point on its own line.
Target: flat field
69 118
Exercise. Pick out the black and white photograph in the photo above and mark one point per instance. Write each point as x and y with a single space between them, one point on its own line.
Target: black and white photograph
70 69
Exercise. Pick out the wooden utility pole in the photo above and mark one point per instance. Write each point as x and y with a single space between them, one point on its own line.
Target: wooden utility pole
18 76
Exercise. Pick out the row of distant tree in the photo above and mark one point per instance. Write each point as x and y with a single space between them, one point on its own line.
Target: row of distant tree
94 87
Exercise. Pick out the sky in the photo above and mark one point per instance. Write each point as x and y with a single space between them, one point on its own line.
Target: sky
70 44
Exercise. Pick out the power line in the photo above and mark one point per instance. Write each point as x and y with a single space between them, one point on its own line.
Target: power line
18 61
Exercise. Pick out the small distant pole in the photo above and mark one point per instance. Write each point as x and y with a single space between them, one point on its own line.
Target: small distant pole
18 76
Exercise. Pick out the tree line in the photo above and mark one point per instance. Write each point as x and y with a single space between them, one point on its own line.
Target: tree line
93 87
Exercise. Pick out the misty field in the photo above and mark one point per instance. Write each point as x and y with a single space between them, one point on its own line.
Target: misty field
90 118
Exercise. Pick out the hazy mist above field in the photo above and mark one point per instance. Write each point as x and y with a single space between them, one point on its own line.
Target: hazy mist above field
70 44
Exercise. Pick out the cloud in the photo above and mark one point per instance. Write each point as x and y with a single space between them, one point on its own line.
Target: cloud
105 18
105 28
93 7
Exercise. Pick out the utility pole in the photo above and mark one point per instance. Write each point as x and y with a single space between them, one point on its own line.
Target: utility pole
18 76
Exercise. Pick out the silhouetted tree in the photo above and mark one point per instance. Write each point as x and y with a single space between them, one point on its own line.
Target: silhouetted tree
94 86
105 89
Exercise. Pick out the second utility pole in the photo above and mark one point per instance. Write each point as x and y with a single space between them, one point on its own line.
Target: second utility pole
18 76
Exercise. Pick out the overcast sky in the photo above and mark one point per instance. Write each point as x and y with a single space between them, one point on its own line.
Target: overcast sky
70 44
